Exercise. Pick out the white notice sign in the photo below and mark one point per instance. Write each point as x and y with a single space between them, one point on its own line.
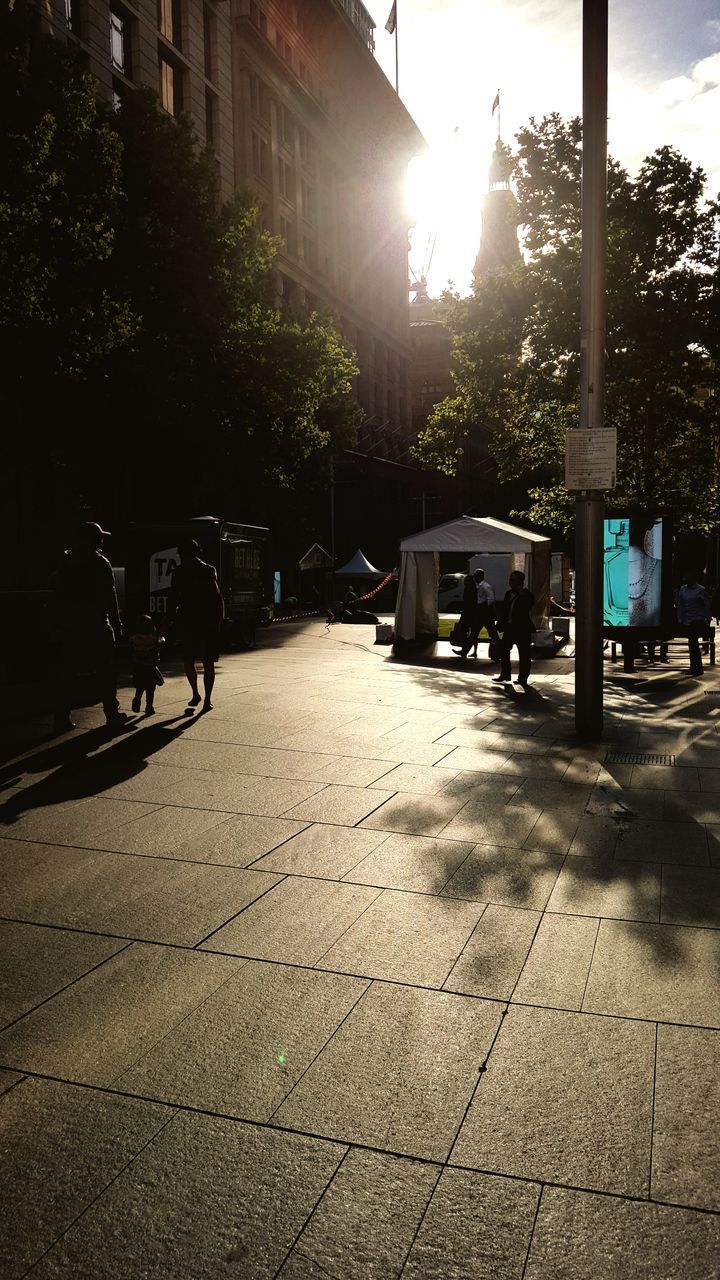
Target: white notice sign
591 458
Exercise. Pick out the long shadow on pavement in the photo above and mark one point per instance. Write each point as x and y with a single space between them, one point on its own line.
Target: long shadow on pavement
81 769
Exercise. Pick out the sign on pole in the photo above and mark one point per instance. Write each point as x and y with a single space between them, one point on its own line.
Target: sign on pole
591 458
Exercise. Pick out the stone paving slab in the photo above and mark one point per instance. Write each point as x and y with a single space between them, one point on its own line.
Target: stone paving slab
405 937
62 1146
686 1138
420 864
578 1235
485 823
477 1226
417 816
36 963
324 850
505 876
77 822
97 1028
493 957
565 1098
366 1222
239 841
243 1049
8 1079
296 923
197 789
152 899
691 895
225 1198
345 805
556 971
650 840
662 972
398 1073
608 888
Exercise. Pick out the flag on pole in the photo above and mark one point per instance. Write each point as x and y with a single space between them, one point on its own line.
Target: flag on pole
391 23
496 103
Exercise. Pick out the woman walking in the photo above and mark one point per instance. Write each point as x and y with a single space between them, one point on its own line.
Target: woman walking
197 606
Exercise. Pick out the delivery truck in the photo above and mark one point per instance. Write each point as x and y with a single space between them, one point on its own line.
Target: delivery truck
238 552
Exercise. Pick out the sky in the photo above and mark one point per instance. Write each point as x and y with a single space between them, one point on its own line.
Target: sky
454 55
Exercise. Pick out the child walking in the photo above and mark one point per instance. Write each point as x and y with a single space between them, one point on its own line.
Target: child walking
146 673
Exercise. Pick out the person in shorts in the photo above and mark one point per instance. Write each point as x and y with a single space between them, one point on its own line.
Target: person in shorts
197 611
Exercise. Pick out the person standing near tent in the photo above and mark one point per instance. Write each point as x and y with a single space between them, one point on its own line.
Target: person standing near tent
517 631
466 627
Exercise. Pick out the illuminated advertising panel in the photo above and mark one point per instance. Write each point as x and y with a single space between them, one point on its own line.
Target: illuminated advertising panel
636 566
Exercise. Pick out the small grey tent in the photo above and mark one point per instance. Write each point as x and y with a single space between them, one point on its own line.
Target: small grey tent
416 612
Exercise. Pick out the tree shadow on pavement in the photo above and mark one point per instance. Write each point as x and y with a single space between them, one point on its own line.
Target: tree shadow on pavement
610 854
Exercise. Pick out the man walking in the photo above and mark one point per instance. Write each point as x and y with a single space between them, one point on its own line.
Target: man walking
518 630
480 613
88 623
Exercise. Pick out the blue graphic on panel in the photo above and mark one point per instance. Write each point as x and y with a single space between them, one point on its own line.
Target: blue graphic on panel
632 589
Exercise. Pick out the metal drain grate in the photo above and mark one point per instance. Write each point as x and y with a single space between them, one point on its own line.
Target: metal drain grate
637 757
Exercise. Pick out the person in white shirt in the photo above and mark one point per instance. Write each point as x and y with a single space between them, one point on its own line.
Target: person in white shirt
483 614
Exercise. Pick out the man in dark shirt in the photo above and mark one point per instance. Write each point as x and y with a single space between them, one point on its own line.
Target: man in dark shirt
87 622
518 630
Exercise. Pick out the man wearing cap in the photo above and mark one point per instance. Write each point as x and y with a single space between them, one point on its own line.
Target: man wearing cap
88 622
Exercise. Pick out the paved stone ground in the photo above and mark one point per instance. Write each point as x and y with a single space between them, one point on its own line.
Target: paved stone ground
370 972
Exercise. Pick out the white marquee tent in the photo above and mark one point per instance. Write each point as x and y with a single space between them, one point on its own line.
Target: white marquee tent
416 612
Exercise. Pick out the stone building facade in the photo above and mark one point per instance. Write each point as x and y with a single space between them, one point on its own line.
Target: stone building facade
290 98
181 49
323 141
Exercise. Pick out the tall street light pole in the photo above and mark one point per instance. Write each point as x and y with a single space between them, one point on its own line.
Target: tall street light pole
590 504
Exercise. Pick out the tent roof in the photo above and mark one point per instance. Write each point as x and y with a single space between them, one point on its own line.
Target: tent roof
316 558
359 567
474 534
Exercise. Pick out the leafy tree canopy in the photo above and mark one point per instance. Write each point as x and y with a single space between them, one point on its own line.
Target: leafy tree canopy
518 386
138 333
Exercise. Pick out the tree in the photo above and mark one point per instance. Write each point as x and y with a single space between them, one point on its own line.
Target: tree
59 201
662 356
148 370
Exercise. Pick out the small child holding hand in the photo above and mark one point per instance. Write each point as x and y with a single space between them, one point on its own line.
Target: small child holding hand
146 673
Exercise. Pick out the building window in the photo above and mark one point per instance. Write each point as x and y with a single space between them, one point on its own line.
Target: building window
170 21
120 42
308 200
72 16
260 99
211 117
209 42
261 157
170 87
286 126
309 251
258 17
287 233
306 147
286 178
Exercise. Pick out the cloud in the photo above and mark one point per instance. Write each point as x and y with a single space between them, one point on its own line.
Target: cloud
683 111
